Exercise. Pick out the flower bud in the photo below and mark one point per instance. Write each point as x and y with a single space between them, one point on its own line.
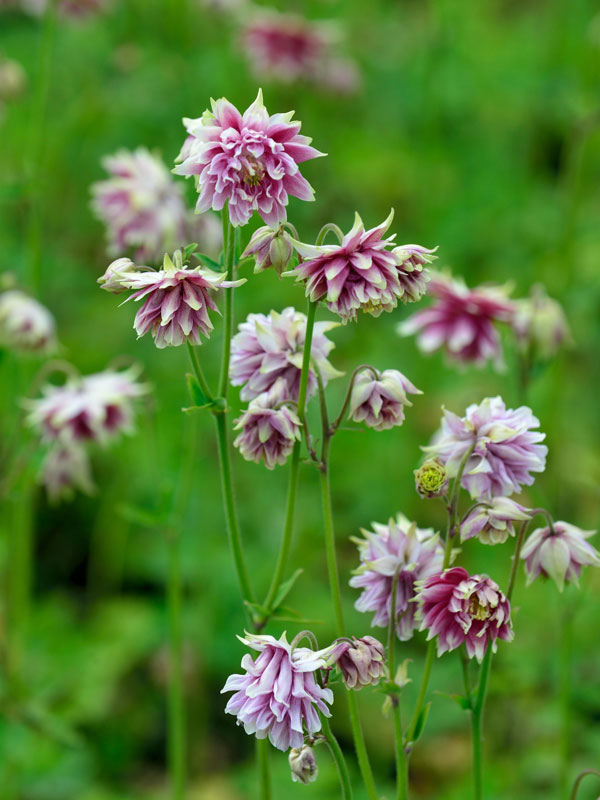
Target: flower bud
431 478
361 661
270 248
303 764
115 278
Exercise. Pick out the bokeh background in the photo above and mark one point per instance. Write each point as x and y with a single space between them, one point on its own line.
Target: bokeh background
478 123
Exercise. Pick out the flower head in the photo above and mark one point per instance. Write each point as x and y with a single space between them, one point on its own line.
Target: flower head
493 522
360 661
303 764
249 161
397 549
559 553
271 247
278 696
65 468
25 324
431 479
461 320
540 324
461 608
268 428
412 270
505 449
269 347
379 402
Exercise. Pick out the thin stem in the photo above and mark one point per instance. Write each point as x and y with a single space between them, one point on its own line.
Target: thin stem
177 733
338 757
429 659
477 725
330 227
198 371
464 662
579 779
564 694
346 403
229 241
262 759
401 764
515 559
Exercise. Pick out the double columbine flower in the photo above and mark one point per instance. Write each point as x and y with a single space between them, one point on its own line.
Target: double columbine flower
559 553
277 695
249 161
505 448
493 522
25 324
363 272
269 347
461 320
466 609
379 402
400 551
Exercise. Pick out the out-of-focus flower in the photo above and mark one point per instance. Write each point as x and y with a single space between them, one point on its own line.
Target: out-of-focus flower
339 74
66 467
379 402
271 247
466 609
77 9
540 324
431 479
506 449
13 80
360 661
396 549
249 161
177 300
303 764
25 324
494 522
269 347
96 407
278 696
559 553
268 429
461 320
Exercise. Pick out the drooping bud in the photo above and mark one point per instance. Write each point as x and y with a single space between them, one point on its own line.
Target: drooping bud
431 479
114 279
303 764
360 661
271 247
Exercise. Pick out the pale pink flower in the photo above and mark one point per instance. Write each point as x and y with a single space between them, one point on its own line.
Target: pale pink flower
249 161
540 325
360 661
379 402
559 553
461 320
277 695
66 468
25 324
466 609
493 522
269 347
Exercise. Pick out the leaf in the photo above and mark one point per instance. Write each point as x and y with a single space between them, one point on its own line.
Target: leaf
197 395
462 701
285 589
421 721
287 614
209 262
195 409
189 250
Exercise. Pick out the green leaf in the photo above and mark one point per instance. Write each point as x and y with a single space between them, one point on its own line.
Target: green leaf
421 721
287 614
200 400
209 262
195 409
285 588
461 701
189 250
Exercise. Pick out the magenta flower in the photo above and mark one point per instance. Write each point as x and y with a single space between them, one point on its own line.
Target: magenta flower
461 608
360 661
493 523
268 429
66 468
25 324
379 402
249 161
559 553
278 696
271 347
506 449
396 549
462 321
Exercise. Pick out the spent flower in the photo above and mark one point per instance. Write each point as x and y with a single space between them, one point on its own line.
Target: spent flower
559 552
303 764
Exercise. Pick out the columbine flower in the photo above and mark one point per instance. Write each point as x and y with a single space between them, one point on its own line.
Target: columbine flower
461 320
65 468
277 694
506 449
303 764
177 301
361 661
461 608
271 347
412 270
398 548
493 523
271 247
558 553
25 324
268 430
250 161
540 324
379 402
431 479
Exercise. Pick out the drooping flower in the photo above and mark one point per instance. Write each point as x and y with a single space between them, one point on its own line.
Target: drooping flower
396 549
25 324
466 609
66 468
461 320
271 247
268 429
559 553
412 270
303 764
360 661
269 347
431 479
379 402
505 448
540 325
249 161
278 696
493 522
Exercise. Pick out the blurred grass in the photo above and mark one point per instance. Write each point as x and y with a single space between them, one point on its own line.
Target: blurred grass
470 125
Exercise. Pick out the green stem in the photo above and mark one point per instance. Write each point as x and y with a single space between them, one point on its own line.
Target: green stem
177 733
339 759
477 725
229 239
262 759
429 659
579 779
198 371
401 762
564 694
514 570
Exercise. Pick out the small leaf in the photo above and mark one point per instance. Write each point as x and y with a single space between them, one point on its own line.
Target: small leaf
402 678
461 701
209 262
195 409
421 721
197 395
285 588
189 250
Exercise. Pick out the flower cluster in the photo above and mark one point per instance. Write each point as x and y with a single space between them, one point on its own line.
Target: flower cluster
379 401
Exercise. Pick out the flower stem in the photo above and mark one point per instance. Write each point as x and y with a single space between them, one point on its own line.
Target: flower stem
338 757
579 779
401 762
177 733
198 371
477 725
515 561
564 692
429 658
229 239
262 759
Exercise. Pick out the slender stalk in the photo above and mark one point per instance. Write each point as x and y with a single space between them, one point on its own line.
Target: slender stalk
177 732
429 659
514 570
477 725
229 236
198 371
338 757
464 662
564 694
401 762
340 417
262 759
579 779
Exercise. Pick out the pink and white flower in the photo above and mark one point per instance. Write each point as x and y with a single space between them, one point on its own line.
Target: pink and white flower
249 161
66 468
493 522
25 324
271 247
559 553
379 402
360 661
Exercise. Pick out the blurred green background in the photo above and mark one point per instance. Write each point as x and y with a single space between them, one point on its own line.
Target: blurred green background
478 123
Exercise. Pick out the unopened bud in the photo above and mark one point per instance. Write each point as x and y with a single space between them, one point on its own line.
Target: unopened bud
114 279
431 479
303 764
361 661
270 248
